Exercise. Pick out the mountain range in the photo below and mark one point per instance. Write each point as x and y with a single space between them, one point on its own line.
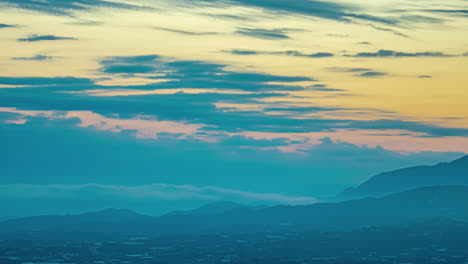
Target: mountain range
452 173
424 204
397 198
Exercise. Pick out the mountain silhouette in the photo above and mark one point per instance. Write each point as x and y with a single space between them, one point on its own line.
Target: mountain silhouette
424 204
107 216
453 173
210 209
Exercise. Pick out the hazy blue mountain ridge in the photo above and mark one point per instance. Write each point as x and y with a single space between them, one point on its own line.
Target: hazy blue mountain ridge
424 204
452 173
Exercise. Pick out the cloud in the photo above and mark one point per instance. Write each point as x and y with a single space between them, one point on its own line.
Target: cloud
228 17
428 129
392 53
195 108
38 57
153 199
372 74
321 9
44 81
241 141
324 88
193 92
344 69
338 35
132 59
197 74
66 8
7 26
273 34
421 19
35 38
389 30
245 52
70 94
291 53
308 109
155 191
56 151
361 72
85 23
461 12
128 69
310 8
184 32
317 55
144 126
425 76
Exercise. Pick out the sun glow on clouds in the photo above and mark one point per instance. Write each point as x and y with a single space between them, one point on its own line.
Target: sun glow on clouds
402 141
146 126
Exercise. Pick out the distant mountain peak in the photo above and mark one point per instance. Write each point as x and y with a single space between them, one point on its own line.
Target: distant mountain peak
442 174
462 160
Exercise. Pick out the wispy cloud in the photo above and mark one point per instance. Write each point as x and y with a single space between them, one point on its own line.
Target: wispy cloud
35 38
40 81
372 74
66 8
198 74
38 57
461 12
75 94
153 192
393 31
345 69
7 26
359 72
185 32
273 34
291 53
144 126
313 8
391 53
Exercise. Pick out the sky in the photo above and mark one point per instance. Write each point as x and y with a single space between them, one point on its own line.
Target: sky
160 105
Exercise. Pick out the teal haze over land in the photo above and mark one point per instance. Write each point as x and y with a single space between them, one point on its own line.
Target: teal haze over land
158 106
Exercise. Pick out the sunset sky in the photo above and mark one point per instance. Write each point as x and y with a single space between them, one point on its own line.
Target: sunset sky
167 104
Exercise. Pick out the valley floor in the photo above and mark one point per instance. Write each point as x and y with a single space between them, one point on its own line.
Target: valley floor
441 242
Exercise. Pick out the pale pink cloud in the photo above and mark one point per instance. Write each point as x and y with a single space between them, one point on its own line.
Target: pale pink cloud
17 121
149 127
146 127
396 140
